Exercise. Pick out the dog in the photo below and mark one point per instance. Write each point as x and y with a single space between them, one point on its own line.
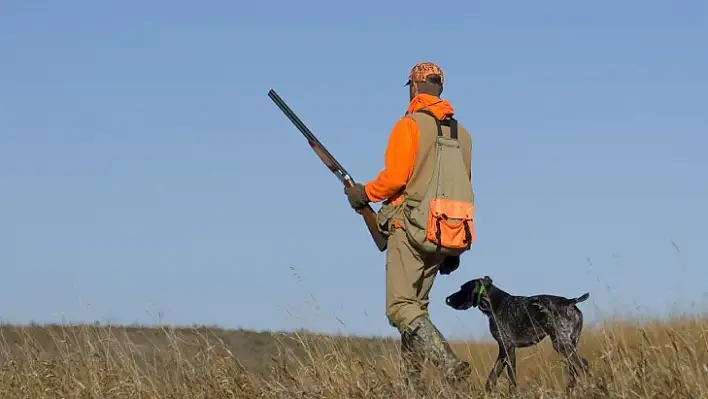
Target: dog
523 321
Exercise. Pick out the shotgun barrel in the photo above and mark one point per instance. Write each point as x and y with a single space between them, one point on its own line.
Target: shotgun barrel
334 166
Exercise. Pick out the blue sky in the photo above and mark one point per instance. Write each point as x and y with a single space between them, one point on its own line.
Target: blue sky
145 175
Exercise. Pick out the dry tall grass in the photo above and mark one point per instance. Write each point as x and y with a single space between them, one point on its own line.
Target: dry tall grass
650 360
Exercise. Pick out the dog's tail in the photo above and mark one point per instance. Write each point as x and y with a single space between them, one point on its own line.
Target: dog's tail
581 298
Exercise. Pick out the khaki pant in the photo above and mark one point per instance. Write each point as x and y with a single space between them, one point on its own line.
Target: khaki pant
409 278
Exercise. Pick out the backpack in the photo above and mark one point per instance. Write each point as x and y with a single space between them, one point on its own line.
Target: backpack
438 216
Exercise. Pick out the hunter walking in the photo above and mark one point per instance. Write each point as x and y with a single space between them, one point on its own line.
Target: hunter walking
427 214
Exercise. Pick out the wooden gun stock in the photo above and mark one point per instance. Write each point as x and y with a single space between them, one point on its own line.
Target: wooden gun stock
372 225
334 166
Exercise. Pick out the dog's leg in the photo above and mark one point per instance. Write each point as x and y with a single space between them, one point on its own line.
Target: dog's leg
497 369
575 337
505 358
576 364
581 364
511 367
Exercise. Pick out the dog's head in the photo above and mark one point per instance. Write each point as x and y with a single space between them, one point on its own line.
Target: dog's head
471 294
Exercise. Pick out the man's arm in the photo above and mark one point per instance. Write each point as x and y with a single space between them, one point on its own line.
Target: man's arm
398 162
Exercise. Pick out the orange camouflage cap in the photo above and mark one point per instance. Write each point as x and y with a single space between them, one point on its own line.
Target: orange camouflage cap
422 70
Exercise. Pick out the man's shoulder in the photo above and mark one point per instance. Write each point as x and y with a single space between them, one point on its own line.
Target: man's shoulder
419 116
461 126
406 122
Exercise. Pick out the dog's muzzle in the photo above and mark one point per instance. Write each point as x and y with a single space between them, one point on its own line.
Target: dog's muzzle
457 301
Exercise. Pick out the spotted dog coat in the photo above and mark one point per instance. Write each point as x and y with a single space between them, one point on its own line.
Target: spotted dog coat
523 321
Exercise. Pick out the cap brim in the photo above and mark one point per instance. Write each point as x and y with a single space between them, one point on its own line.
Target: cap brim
407 83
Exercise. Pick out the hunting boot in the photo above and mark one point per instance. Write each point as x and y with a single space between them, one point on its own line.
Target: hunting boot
436 347
412 357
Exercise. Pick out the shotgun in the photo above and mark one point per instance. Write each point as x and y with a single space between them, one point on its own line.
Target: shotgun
334 166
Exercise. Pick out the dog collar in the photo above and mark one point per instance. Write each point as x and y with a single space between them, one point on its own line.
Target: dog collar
479 294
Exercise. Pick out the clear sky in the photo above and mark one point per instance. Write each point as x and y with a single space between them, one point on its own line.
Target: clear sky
145 175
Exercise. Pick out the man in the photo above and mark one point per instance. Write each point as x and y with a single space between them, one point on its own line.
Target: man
410 273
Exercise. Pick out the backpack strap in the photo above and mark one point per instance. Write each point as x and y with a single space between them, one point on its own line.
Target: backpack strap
449 121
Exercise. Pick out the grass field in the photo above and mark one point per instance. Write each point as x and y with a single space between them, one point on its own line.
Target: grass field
658 359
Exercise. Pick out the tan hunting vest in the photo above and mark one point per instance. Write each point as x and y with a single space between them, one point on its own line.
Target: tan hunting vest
391 215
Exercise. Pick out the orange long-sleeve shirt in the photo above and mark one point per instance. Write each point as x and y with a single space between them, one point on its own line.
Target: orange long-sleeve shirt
402 148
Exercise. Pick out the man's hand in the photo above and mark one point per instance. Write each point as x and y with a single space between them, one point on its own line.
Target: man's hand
449 265
357 196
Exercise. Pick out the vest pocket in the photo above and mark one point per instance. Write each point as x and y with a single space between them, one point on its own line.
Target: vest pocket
450 223
385 217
